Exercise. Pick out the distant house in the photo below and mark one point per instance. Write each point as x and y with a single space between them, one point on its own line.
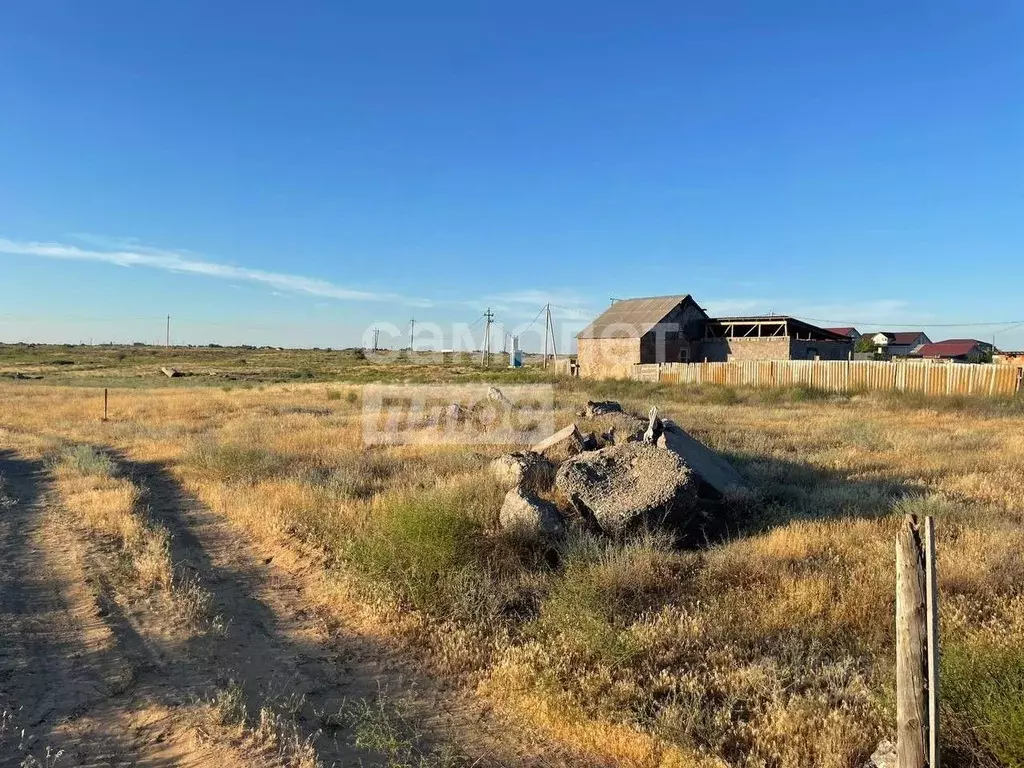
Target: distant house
958 350
660 329
771 337
851 333
898 343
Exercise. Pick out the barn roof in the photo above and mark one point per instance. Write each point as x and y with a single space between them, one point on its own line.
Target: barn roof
631 318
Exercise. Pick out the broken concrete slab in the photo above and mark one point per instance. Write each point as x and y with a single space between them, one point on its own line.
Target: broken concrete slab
630 486
527 515
617 428
524 469
712 469
564 443
601 407
170 373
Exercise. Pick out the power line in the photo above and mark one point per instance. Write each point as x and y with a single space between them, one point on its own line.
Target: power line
523 332
926 324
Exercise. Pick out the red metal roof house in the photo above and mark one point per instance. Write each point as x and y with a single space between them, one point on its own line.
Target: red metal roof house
959 350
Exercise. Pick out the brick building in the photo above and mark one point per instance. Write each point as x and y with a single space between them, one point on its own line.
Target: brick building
771 337
671 329
661 329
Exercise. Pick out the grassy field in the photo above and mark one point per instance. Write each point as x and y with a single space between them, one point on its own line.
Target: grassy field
769 646
139 366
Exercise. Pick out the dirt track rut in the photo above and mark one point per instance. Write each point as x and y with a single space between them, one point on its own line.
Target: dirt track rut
58 657
107 679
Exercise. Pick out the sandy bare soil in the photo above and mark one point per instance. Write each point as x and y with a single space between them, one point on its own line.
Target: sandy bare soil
113 681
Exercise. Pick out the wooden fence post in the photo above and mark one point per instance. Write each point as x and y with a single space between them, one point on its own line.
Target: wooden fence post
104 403
917 715
932 607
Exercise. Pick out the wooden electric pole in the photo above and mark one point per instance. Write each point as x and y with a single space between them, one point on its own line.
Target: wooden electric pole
167 338
412 332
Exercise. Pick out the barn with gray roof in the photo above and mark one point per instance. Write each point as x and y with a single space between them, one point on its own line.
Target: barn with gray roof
675 329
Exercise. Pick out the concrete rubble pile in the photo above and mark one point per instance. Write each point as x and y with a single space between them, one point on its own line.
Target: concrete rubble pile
612 472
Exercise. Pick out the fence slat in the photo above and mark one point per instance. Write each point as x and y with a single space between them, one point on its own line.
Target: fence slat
843 375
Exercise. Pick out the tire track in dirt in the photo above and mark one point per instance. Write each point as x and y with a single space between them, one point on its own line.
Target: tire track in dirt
58 657
271 657
108 679
274 644
73 667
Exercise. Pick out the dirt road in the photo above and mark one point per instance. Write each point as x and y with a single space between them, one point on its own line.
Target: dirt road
59 658
114 681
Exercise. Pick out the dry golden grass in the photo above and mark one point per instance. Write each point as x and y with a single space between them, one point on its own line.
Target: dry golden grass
108 506
105 504
771 646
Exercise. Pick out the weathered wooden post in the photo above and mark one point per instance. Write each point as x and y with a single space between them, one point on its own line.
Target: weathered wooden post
917 715
104 403
932 603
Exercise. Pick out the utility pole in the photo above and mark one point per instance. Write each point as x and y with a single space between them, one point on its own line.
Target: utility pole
167 338
551 325
545 358
376 336
486 352
412 333
549 332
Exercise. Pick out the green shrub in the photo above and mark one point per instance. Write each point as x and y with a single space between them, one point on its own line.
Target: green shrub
983 689
352 397
604 586
800 393
229 462
333 394
722 395
422 545
356 475
89 461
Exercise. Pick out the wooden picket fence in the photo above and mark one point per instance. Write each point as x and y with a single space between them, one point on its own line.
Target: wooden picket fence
925 377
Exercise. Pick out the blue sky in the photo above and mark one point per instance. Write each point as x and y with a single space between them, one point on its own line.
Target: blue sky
295 173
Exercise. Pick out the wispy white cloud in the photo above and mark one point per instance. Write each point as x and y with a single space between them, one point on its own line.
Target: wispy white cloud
171 261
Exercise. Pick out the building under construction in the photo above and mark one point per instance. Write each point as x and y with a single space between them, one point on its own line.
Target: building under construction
672 329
